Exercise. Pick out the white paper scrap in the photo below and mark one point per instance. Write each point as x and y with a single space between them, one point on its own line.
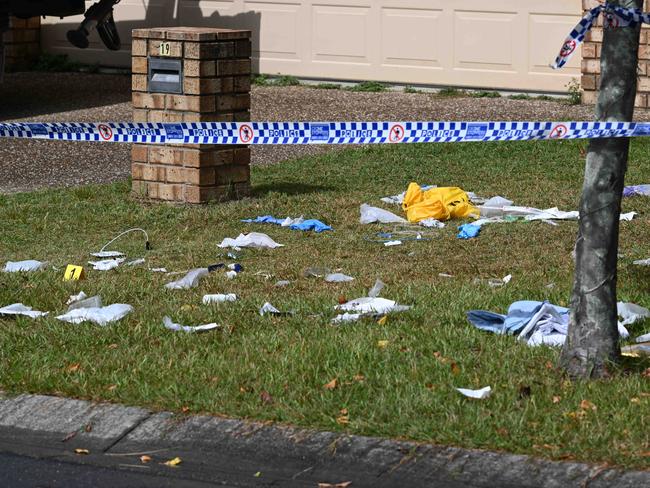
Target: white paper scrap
100 316
186 328
219 298
268 308
392 243
478 394
338 278
135 262
253 239
433 223
231 274
346 317
20 309
106 264
372 305
28 265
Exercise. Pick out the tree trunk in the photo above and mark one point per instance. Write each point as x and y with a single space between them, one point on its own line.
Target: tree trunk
592 340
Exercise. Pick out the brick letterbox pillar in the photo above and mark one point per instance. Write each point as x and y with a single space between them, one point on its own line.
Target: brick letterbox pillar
213 85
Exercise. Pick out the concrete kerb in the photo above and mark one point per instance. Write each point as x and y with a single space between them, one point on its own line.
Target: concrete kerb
212 446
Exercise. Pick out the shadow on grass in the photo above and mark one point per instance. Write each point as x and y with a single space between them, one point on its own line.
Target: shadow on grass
289 188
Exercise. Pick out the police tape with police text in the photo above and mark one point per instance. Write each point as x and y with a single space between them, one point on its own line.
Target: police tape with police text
285 133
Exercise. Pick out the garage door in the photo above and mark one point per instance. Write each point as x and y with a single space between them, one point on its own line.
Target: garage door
505 44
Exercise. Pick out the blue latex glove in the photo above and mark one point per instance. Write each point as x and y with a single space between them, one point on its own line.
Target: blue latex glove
468 231
311 224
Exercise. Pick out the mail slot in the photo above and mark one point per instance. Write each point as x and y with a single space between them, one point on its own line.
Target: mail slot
165 75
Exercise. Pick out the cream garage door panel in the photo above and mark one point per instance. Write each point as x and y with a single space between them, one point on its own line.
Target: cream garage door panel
503 44
420 39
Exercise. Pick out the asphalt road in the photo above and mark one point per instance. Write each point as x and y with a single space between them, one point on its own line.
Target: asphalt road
26 472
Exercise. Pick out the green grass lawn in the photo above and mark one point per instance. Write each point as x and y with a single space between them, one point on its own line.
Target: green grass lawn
403 390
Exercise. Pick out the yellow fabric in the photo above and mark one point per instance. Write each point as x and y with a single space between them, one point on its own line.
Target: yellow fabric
438 203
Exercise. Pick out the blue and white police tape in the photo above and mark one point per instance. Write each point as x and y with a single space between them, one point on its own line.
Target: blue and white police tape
284 133
615 16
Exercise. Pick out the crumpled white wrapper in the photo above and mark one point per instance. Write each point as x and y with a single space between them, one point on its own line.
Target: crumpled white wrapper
186 328
106 264
20 309
28 265
190 280
219 298
253 239
98 315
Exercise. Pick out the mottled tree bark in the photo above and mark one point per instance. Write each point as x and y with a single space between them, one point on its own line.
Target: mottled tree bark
592 341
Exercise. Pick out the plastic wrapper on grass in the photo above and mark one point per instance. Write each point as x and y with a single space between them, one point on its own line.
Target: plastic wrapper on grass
219 298
168 323
190 280
370 215
20 309
372 305
24 266
338 278
106 264
254 240
98 315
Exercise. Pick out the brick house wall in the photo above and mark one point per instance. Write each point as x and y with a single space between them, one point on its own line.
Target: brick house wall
591 49
22 43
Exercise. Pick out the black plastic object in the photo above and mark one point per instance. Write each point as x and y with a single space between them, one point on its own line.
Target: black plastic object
108 33
99 16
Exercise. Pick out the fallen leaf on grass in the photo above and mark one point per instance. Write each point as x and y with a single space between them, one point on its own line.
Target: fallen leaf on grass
455 370
112 346
342 300
359 378
556 399
111 387
73 368
345 484
383 320
185 409
587 405
645 454
88 428
331 385
145 459
266 398
81 452
382 344
258 474
173 462
344 418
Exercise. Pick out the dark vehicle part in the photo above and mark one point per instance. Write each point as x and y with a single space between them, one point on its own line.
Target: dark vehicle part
99 16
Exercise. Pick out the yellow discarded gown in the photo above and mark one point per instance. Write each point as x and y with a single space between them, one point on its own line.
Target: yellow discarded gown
437 203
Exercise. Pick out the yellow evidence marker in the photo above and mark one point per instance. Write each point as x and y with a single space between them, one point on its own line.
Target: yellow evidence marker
74 273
